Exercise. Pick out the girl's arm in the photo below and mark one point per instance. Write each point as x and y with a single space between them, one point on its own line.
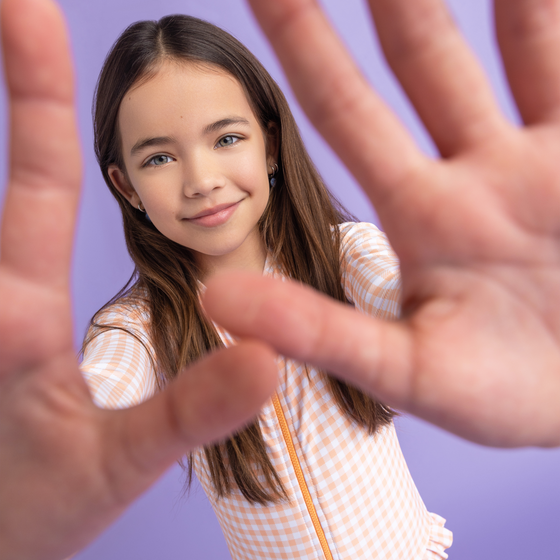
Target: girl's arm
477 349
370 271
118 362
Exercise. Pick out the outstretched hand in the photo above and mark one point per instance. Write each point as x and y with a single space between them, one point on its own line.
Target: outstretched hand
67 468
477 350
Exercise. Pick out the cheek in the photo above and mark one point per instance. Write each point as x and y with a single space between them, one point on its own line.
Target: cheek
251 170
259 179
154 205
261 189
155 193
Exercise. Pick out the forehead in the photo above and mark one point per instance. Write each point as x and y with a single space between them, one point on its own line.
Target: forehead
180 94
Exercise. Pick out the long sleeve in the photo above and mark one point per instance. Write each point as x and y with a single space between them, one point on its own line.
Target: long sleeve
118 363
370 271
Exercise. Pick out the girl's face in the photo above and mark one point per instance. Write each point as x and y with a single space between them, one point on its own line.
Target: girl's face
197 160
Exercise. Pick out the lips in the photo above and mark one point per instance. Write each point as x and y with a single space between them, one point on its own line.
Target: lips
213 210
215 216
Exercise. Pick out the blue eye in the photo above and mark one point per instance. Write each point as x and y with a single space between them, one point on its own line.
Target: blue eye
227 141
158 160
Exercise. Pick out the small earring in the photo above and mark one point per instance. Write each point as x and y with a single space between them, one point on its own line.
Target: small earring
271 177
143 210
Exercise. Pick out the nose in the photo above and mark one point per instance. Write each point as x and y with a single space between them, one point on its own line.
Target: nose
201 176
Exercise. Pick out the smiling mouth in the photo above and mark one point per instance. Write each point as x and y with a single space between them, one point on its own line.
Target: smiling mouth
214 216
213 210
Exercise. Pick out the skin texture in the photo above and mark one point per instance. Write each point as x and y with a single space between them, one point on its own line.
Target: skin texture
476 352
477 231
67 468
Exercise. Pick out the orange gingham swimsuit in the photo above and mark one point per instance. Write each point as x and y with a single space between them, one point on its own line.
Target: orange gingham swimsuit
351 495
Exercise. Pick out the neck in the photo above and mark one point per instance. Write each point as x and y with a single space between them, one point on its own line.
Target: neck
250 256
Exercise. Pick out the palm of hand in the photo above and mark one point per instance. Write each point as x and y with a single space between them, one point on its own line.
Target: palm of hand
477 350
56 467
479 258
67 468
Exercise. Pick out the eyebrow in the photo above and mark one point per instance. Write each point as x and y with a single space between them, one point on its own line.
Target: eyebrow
147 142
223 123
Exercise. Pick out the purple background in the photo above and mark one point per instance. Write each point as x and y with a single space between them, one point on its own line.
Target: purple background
500 504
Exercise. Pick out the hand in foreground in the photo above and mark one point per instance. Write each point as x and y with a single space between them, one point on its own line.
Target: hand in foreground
477 350
67 468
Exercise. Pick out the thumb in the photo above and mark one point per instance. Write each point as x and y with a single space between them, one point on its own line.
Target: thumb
207 402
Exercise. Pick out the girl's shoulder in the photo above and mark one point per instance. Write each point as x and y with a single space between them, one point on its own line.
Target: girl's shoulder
118 361
364 238
358 228
370 270
129 312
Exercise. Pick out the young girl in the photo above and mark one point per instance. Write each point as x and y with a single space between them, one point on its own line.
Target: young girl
201 151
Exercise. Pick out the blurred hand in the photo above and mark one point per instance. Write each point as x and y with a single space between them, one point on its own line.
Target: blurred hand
477 350
67 468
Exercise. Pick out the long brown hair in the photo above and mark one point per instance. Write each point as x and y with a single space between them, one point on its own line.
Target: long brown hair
297 228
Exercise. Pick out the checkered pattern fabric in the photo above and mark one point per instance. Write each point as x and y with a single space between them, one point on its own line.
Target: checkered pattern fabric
362 491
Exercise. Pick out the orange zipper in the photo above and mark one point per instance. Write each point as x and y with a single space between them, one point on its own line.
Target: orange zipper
300 477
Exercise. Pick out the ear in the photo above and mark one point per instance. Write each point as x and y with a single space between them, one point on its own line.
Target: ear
122 184
272 144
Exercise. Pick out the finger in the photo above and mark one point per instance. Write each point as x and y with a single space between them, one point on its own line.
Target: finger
207 402
529 38
438 72
335 96
310 327
44 177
